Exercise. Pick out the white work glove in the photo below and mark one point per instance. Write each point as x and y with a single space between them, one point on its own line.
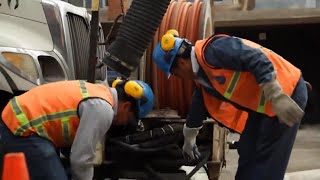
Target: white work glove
190 149
286 109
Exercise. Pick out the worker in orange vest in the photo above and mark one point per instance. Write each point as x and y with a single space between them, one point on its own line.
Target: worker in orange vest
72 114
246 88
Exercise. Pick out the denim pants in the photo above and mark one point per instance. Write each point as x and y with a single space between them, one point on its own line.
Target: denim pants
265 144
42 159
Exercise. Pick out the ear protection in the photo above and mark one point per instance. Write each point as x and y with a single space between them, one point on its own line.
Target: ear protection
168 40
168 43
174 32
132 88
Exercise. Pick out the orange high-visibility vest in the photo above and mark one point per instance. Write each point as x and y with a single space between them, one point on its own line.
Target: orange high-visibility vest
224 112
251 96
51 110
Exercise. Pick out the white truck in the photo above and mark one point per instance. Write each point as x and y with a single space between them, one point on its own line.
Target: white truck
43 41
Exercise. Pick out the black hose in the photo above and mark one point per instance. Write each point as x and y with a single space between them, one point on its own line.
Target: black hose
132 148
156 133
134 35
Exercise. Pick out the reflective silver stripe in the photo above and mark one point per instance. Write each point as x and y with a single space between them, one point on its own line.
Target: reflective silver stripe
84 91
21 116
66 130
232 84
49 117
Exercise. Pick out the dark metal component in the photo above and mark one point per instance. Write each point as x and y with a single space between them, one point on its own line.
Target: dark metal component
153 154
204 160
94 27
111 30
155 133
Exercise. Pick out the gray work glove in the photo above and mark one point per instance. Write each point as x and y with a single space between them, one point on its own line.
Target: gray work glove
286 109
190 149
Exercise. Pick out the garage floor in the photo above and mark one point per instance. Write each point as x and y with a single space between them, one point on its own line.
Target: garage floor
304 162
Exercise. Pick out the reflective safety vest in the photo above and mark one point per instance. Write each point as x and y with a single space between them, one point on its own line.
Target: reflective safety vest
51 110
224 112
251 96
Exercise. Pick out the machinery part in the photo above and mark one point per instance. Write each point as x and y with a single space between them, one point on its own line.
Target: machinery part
151 134
145 158
204 160
134 35
94 28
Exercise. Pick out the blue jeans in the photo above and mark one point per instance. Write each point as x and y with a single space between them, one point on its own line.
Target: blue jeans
42 159
265 144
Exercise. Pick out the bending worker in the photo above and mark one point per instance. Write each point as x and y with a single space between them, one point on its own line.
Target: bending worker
245 87
72 114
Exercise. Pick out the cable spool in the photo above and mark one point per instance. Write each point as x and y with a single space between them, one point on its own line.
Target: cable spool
206 26
193 21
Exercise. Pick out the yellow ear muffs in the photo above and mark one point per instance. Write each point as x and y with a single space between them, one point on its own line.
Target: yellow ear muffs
173 32
167 42
133 89
115 82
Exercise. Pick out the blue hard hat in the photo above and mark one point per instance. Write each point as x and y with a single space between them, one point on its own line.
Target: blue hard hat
146 101
164 59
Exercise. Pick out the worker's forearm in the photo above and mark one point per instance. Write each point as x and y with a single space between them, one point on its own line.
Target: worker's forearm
95 119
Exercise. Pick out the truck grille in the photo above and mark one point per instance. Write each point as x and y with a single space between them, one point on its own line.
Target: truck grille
101 52
80 41
80 35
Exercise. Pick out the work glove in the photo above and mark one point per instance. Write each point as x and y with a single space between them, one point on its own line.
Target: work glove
286 109
190 149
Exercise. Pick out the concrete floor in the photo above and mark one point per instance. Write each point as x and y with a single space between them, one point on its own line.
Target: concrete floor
304 162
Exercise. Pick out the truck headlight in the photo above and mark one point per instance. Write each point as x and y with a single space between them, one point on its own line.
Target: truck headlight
22 62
